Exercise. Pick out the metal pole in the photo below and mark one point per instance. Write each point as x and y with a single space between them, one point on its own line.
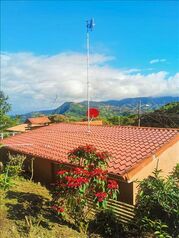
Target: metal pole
88 83
139 112
120 116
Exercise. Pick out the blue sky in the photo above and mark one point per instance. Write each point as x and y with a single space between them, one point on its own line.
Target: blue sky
133 38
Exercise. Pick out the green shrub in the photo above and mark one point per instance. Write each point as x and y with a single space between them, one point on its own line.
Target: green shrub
157 227
5 181
15 165
107 225
175 173
12 169
158 202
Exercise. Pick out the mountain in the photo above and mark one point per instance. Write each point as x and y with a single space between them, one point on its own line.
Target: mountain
153 102
107 108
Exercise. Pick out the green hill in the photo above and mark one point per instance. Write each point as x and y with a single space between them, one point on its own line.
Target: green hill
166 116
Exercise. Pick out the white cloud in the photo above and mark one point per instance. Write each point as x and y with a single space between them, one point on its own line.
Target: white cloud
154 61
37 82
132 70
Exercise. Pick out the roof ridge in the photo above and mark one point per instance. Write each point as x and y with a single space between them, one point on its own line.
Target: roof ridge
118 126
43 129
37 117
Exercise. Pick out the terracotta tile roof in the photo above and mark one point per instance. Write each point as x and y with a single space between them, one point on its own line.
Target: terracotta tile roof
128 146
38 120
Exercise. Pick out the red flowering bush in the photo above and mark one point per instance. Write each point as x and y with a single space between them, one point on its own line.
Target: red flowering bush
101 196
59 210
87 179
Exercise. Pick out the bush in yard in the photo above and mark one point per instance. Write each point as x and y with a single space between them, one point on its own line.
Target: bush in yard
11 170
157 207
87 179
107 225
5 181
15 165
175 174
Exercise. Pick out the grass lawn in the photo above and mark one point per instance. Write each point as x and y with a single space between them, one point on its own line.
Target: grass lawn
25 213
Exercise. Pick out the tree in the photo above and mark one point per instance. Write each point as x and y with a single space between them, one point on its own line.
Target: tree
58 118
5 120
4 105
4 108
87 179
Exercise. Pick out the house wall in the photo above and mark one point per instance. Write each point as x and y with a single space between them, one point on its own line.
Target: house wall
43 170
3 155
125 192
165 161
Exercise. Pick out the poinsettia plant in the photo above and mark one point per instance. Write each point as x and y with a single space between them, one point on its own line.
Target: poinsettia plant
86 179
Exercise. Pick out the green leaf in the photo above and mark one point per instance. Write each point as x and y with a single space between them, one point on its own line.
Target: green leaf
164 226
104 204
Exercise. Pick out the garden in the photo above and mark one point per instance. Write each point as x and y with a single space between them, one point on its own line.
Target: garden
64 209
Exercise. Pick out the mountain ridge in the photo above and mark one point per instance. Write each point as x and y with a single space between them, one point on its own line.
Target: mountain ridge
109 107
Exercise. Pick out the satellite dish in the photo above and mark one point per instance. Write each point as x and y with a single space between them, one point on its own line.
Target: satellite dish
93 112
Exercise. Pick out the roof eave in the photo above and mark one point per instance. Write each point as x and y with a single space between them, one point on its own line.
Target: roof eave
128 175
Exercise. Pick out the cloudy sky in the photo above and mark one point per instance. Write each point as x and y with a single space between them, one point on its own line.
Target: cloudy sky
134 51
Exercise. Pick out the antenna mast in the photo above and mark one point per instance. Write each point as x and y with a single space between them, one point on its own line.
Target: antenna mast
89 25
139 112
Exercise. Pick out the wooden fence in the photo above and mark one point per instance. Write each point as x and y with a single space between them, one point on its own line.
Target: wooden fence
123 211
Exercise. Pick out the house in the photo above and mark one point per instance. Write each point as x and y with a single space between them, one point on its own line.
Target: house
18 129
30 123
135 151
36 122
